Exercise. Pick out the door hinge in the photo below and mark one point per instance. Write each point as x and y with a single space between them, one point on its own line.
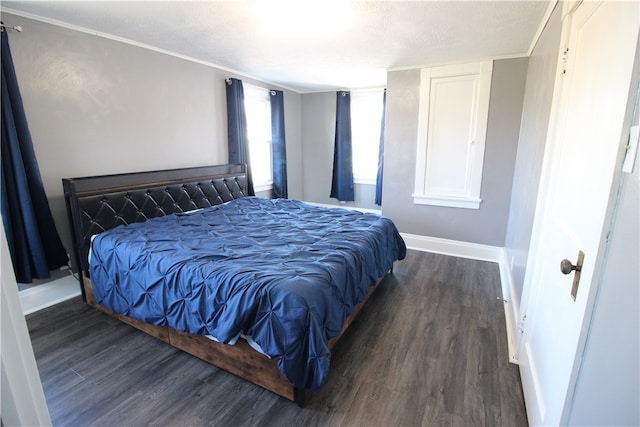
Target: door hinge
631 149
522 321
564 59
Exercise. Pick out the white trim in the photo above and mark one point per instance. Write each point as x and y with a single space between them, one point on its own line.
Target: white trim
364 181
258 188
511 308
482 253
257 91
363 90
138 44
474 80
543 24
344 206
455 248
452 202
48 294
343 89
22 399
43 296
440 64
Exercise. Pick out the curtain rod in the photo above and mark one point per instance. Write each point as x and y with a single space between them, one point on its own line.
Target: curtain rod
18 28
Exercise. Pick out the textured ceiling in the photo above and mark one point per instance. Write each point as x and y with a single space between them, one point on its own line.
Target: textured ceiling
308 45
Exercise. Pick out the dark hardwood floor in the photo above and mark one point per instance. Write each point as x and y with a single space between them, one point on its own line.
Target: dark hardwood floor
430 348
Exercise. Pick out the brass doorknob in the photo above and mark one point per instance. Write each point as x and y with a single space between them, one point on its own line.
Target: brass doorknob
566 267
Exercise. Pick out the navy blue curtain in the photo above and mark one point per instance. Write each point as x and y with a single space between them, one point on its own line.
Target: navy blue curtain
278 145
34 243
342 181
381 152
237 128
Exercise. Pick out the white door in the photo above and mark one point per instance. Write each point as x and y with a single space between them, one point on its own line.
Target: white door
583 150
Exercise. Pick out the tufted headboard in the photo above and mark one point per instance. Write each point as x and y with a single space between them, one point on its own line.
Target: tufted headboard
99 203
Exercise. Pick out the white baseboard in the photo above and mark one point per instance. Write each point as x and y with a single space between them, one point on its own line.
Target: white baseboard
42 296
511 308
483 253
453 247
48 294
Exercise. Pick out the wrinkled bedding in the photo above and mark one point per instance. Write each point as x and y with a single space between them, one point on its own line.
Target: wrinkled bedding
285 273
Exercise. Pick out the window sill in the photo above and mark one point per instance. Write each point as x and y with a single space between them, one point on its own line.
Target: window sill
364 181
258 188
452 202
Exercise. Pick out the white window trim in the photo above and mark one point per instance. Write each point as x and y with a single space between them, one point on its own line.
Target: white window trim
263 187
470 197
364 181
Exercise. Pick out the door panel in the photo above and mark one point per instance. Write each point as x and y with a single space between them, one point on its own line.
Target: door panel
583 153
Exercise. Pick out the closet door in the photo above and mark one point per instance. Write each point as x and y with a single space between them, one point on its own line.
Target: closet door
453 112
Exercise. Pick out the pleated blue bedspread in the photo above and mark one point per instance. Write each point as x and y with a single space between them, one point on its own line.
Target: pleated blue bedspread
283 272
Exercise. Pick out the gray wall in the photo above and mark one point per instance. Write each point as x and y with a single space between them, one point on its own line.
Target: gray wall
98 106
541 75
318 135
486 225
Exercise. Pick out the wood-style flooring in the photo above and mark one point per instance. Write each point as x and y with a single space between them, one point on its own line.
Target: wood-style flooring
430 348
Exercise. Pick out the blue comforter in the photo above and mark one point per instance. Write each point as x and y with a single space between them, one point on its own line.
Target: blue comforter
285 273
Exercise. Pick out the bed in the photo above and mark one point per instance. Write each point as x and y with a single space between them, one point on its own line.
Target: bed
262 288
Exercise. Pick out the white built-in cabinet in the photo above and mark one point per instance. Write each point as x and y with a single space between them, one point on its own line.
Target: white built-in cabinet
452 128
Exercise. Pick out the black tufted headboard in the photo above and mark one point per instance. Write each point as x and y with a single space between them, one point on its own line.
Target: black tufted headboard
99 203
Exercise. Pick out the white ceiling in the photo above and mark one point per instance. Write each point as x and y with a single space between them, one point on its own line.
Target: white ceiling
308 45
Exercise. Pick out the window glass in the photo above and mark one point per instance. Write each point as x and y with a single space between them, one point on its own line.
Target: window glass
366 118
258 110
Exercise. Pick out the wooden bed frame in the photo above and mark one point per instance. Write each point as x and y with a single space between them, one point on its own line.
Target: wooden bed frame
96 204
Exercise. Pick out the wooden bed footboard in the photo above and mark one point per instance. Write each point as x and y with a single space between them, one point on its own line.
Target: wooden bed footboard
239 359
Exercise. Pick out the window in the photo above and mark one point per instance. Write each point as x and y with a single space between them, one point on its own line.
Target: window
452 127
257 107
366 119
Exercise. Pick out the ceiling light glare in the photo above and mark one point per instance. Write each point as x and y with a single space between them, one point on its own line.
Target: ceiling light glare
304 19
